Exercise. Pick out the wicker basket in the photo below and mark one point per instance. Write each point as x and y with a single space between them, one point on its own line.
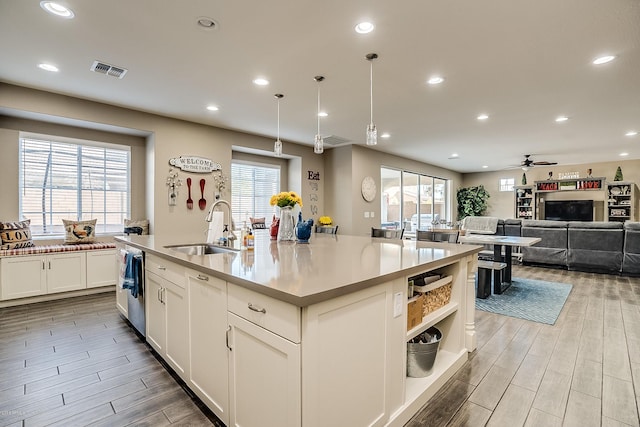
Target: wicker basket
436 298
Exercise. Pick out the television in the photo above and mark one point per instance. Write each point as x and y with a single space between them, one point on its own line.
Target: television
568 210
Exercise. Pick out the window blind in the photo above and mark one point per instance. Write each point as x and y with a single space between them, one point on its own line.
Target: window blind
61 180
251 189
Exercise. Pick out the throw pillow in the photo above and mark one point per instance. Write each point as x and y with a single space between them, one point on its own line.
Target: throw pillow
142 223
15 235
79 231
257 223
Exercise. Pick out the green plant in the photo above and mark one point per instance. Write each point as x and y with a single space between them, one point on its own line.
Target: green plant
472 201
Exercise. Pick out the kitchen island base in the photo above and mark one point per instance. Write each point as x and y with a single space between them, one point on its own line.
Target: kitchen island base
338 360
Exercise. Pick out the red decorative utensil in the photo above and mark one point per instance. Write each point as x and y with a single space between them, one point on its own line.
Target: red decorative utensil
202 202
189 200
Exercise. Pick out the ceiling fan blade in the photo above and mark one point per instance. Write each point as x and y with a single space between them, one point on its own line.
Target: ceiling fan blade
545 163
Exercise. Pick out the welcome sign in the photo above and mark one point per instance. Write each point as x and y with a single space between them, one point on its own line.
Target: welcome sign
195 164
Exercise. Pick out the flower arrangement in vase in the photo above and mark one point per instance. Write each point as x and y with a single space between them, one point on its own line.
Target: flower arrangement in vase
286 200
325 220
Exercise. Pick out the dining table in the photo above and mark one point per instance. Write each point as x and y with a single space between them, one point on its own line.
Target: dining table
498 242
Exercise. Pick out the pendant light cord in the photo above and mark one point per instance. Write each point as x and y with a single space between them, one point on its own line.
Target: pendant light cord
319 106
278 118
371 89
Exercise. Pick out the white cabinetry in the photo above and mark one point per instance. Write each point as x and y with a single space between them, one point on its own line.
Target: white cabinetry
24 276
353 353
101 270
156 318
264 367
33 275
209 361
66 272
167 313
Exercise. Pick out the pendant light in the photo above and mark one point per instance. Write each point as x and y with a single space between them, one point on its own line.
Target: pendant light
318 142
372 132
277 147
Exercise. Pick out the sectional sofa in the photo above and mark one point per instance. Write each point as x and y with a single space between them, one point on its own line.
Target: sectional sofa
605 247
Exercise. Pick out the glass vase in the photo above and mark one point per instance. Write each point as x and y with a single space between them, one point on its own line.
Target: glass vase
286 229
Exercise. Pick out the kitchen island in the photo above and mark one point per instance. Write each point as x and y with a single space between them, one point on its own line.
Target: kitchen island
305 334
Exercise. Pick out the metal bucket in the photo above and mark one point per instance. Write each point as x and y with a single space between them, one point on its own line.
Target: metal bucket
421 356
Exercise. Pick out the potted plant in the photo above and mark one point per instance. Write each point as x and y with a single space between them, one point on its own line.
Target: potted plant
472 201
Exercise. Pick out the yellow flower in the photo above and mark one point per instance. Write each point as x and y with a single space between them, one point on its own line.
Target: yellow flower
286 198
325 220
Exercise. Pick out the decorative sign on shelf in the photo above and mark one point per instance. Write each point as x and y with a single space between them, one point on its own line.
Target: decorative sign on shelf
578 184
195 164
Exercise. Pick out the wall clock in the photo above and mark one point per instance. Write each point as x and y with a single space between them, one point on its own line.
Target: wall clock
368 189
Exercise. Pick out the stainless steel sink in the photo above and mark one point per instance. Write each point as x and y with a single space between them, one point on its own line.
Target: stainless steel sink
201 249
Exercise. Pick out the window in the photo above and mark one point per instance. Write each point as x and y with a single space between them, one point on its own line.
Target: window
506 184
252 186
67 180
412 201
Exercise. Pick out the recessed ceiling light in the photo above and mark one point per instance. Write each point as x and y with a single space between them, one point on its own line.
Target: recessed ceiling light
48 67
212 108
631 133
484 166
323 114
206 23
561 119
57 9
482 117
261 82
385 135
624 154
603 59
454 155
435 80
364 27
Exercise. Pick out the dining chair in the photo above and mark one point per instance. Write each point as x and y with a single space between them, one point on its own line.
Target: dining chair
387 234
327 229
449 236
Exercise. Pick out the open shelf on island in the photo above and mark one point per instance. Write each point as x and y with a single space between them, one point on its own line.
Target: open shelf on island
433 285
433 318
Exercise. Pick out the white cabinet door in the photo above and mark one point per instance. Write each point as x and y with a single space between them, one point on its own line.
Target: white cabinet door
209 360
23 276
66 272
101 269
353 352
155 313
177 323
264 377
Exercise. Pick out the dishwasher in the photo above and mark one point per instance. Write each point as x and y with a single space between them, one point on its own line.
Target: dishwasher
135 304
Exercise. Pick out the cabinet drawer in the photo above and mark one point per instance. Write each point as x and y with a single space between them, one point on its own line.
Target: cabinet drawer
171 271
274 315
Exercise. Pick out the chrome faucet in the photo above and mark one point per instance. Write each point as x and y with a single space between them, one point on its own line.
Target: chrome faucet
209 217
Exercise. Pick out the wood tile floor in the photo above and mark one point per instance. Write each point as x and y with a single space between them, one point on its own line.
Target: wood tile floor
74 362
583 371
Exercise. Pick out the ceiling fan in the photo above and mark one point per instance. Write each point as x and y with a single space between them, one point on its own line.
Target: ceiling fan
528 163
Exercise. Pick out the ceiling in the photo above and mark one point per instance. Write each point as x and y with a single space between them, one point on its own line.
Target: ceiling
522 63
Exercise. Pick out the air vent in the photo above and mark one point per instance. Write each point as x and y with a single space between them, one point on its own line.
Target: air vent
109 70
335 140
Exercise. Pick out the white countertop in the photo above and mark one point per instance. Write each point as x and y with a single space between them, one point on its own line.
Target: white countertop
303 274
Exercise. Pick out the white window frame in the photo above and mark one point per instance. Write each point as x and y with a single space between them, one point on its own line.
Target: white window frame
506 184
66 179
243 213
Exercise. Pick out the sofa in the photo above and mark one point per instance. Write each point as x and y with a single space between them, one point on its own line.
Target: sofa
598 246
554 246
595 246
631 251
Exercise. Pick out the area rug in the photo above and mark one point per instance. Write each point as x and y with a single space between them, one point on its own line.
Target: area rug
528 299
